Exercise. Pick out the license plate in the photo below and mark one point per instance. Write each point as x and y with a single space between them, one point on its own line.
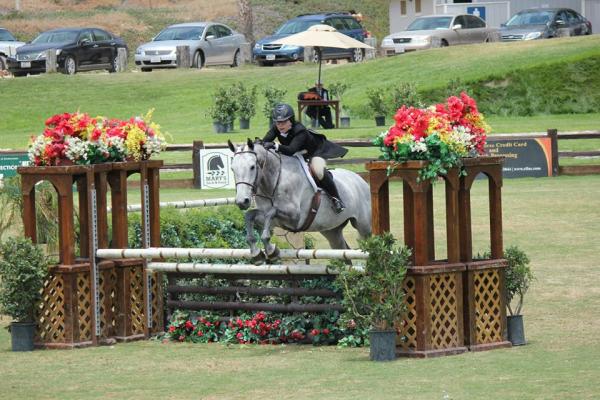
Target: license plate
270 57
398 49
155 59
25 64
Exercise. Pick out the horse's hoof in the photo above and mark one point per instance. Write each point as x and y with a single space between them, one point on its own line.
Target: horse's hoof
259 258
273 257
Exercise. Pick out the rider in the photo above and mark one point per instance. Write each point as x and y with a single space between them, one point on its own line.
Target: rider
294 137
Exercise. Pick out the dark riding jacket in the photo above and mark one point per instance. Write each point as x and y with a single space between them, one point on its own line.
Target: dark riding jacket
299 138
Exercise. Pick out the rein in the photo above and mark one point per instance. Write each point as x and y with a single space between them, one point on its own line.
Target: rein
261 167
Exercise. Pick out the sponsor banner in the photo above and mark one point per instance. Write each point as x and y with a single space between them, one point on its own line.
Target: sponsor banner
477 11
215 169
9 163
523 157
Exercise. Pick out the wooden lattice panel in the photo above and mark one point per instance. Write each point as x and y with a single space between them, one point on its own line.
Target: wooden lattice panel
407 339
84 306
107 297
51 311
444 311
137 300
157 302
488 306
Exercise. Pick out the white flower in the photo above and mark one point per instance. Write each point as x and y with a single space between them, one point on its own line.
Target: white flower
37 147
418 146
462 136
76 149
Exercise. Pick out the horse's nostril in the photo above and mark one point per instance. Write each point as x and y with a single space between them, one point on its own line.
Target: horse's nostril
246 201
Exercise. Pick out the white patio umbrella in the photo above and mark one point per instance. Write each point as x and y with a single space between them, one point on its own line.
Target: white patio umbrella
319 36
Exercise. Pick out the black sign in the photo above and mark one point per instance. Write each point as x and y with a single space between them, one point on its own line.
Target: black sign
523 157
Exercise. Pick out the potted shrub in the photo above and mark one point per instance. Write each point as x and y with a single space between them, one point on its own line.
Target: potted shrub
223 110
337 90
518 278
406 94
246 103
273 96
374 297
23 268
377 104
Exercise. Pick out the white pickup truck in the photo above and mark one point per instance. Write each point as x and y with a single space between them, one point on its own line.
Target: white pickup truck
8 46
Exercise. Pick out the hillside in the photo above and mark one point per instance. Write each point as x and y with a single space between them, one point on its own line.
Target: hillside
139 20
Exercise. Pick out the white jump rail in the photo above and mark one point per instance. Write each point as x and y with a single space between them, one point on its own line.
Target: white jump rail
245 269
286 254
225 201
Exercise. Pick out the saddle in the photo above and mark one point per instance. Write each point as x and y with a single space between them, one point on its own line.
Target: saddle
316 199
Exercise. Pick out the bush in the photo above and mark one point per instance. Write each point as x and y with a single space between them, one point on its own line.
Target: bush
406 94
377 101
246 100
224 105
23 268
273 96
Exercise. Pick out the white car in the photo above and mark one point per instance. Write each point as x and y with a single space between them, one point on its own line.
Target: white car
210 44
8 47
439 31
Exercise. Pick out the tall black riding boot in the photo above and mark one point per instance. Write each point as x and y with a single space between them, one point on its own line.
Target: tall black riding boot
328 184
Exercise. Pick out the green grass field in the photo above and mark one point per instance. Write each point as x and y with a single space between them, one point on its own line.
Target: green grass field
555 220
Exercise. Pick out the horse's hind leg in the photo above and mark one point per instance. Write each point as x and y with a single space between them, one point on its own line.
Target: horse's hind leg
362 226
335 237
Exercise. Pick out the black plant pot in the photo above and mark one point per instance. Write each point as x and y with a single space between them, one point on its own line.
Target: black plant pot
229 126
244 123
380 120
219 127
383 345
516 330
345 122
21 335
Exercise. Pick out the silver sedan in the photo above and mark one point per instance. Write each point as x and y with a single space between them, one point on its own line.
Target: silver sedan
439 31
210 44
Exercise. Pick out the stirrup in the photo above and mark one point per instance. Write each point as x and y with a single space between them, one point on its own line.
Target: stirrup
338 205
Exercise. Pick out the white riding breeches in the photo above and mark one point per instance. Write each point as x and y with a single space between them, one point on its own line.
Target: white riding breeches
317 166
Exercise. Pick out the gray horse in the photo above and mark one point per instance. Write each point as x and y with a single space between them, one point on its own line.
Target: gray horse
283 196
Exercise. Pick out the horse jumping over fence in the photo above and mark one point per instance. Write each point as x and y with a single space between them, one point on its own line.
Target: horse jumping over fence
284 197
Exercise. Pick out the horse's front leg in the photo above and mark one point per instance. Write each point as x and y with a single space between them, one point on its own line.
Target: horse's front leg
257 256
271 250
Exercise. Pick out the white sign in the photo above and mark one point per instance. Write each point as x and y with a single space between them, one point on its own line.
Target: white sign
215 169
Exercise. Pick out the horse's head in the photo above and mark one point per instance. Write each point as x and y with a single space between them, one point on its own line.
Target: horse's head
245 166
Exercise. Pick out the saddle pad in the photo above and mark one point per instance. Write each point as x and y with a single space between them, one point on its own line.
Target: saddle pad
306 170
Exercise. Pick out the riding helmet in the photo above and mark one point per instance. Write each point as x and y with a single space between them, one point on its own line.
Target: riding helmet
283 112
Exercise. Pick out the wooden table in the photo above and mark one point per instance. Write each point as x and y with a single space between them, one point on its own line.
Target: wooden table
302 104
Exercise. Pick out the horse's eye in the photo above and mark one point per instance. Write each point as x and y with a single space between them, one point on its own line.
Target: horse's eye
252 168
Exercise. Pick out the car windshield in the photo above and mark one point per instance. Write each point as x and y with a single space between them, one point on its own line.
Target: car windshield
425 24
5 36
291 27
531 18
56 37
180 33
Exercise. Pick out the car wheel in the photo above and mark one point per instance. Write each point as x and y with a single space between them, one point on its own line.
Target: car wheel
146 69
70 66
357 55
315 57
443 43
3 65
198 61
17 74
237 59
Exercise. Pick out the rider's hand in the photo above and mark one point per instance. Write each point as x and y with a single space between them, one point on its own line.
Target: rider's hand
270 145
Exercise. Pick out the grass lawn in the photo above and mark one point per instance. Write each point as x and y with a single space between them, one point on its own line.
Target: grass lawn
555 220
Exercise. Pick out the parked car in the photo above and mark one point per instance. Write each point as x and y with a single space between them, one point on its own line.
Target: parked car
268 52
541 23
8 47
77 49
210 44
439 31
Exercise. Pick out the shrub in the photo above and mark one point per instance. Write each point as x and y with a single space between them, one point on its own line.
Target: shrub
377 101
273 96
246 100
23 268
224 105
405 93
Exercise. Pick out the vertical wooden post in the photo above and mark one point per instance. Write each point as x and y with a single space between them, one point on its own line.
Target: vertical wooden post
430 227
121 62
409 212
29 217
84 218
118 192
66 235
553 134
380 208
464 217
452 218
183 57
196 162
51 61
496 240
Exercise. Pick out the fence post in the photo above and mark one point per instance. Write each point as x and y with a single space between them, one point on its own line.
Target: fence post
309 54
183 57
246 53
553 135
371 54
121 63
196 147
50 60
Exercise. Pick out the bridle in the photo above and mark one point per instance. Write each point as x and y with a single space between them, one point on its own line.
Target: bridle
254 185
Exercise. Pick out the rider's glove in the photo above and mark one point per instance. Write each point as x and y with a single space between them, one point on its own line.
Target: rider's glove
270 145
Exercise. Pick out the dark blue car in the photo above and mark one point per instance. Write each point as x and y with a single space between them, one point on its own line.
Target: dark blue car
268 52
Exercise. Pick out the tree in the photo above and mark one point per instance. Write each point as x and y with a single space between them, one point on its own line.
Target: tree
246 20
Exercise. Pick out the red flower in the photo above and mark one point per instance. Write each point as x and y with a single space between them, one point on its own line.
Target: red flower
325 331
200 333
314 332
172 328
189 325
181 338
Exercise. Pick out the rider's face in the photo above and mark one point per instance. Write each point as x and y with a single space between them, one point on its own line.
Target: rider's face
283 126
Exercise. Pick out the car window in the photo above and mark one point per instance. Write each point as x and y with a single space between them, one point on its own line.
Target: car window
574 18
5 36
101 36
530 18
474 22
295 26
337 23
460 20
56 37
421 24
180 33
223 31
212 31
86 35
352 23
562 16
